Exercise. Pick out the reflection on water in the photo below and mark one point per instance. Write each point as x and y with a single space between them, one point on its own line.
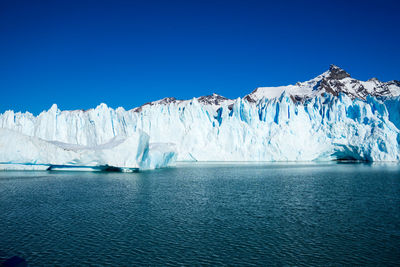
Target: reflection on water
247 214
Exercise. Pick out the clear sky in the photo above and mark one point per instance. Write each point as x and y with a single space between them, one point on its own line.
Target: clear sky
125 53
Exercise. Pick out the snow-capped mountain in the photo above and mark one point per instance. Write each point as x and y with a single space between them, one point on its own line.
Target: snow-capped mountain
331 117
212 102
333 81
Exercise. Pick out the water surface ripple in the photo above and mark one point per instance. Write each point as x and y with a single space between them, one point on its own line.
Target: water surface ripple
207 214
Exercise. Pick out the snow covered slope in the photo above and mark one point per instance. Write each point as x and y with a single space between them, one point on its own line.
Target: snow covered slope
331 117
333 81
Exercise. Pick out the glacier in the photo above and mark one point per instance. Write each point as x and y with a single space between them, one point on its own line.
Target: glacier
20 151
331 117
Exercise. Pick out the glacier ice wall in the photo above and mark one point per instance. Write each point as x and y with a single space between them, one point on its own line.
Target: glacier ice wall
325 127
19 151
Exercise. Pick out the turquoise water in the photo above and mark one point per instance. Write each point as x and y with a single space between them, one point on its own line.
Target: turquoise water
243 214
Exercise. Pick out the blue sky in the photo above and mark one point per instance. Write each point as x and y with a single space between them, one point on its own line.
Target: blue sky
125 53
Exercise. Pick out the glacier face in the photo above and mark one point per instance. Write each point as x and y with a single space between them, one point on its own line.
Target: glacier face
330 117
134 152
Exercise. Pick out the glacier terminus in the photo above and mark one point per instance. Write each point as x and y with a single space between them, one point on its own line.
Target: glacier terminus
331 117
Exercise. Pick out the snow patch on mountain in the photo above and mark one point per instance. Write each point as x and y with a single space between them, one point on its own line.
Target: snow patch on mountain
333 81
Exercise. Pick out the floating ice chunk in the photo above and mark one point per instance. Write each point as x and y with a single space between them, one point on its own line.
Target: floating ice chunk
133 152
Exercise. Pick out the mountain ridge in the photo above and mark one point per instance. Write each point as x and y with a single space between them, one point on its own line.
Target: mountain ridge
333 81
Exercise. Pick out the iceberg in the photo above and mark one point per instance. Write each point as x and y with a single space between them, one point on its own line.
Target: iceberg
22 152
331 117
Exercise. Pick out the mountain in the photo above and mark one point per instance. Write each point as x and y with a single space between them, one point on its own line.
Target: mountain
331 117
333 81
213 102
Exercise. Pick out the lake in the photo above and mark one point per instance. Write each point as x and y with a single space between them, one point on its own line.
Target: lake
304 214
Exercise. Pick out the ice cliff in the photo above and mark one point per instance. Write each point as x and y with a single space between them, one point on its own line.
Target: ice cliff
331 117
19 151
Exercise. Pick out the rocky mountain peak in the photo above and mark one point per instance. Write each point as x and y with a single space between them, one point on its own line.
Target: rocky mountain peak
213 99
373 79
334 81
337 73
